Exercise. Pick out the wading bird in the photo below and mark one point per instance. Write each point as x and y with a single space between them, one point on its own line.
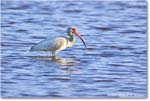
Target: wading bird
59 43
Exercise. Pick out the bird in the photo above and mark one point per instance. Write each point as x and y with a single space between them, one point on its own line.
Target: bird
59 43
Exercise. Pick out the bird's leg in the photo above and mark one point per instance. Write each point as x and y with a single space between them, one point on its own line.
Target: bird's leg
53 54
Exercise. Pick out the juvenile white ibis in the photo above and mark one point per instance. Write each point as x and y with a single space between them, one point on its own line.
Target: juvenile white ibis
59 43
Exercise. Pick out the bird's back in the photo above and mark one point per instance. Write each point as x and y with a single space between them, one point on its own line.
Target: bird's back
56 44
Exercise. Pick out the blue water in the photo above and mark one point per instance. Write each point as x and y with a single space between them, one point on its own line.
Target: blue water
114 66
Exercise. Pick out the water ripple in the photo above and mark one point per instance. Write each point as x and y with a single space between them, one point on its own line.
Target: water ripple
113 65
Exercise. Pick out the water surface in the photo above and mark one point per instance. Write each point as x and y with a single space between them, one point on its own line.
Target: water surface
114 66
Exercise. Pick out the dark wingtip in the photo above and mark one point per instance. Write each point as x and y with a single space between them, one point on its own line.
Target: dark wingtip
31 49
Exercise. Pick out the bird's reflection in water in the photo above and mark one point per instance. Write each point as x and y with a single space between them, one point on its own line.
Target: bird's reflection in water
66 64
60 61
63 61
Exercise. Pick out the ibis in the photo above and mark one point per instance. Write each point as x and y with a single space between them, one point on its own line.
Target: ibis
59 43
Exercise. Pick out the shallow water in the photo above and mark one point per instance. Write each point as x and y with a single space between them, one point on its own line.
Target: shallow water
114 66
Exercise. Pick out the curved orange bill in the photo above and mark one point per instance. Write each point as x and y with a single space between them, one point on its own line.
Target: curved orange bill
82 40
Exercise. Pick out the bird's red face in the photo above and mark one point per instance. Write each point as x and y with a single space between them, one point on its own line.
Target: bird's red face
76 33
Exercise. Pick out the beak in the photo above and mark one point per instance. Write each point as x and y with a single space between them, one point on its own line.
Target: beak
77 34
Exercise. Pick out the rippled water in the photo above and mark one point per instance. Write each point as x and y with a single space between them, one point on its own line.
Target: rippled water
114 66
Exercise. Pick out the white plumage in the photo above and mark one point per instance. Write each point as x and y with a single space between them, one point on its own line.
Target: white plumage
59 43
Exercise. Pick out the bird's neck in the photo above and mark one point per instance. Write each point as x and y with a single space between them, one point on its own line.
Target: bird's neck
71 38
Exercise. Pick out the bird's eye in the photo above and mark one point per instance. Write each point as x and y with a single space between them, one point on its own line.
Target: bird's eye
73 29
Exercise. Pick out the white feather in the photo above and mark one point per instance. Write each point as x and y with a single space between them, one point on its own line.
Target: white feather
56 44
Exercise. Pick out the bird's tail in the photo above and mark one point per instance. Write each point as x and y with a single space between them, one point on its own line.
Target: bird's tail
32 49
36 48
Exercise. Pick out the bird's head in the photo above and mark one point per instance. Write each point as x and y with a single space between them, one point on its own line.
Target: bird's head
73 31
